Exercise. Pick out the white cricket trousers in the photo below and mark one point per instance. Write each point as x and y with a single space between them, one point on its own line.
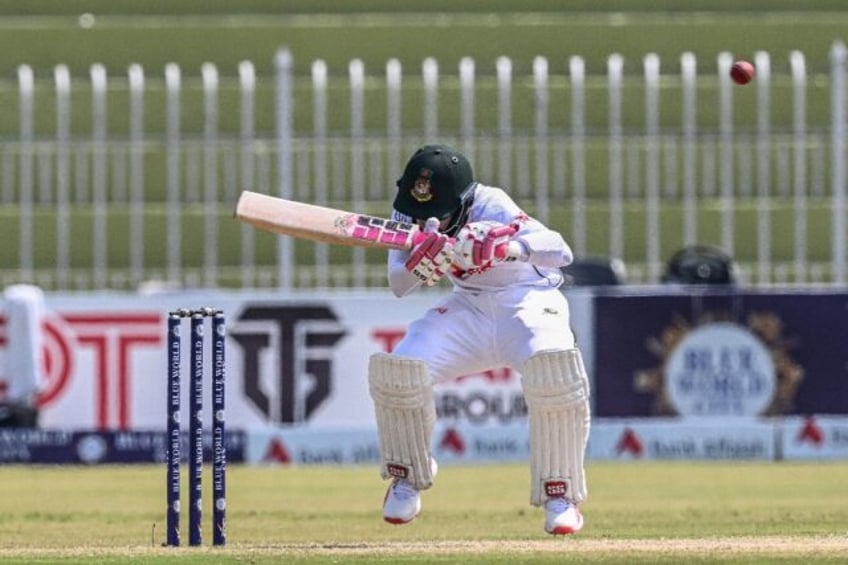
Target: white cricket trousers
469 332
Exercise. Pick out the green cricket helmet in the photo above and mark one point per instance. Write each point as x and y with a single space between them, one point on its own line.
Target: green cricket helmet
437 182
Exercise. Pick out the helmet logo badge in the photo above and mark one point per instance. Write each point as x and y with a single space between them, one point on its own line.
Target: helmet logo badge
421 189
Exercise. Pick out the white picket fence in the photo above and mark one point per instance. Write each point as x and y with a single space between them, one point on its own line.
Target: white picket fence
70 184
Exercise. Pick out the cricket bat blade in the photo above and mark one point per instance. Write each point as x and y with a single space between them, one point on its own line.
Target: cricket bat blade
320 223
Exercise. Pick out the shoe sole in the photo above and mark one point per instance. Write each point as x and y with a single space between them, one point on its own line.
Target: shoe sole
563 531
398 521
566 530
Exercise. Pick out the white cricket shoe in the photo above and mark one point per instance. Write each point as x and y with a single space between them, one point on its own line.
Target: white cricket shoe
402 503
562 517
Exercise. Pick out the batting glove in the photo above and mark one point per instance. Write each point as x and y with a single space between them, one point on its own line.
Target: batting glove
481 243
429 259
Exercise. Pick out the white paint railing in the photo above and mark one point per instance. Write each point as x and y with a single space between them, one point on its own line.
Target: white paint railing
838 63
92 181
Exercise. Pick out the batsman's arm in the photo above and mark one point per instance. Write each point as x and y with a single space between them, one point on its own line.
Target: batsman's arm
545 248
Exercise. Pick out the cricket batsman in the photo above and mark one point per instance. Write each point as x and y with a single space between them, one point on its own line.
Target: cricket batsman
505 310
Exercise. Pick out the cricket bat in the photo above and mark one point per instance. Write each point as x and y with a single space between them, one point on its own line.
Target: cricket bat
319 223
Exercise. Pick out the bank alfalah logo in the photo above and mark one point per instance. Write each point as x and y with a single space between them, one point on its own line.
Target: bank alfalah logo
719 366
298 342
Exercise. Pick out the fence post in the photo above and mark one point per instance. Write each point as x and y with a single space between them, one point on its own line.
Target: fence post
615 65
99 195
26 92
799 147
763 66
430 76
356 72
689 77
285 108
726 153
209 74
247 89
136 127
319 143
837 119
577 72
62 77
173 158
652 177
466 101
394 119
541 187
504 71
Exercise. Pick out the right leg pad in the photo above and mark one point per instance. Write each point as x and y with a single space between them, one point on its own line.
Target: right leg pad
403 403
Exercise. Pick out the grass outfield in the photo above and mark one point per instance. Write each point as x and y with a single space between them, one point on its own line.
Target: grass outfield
637 513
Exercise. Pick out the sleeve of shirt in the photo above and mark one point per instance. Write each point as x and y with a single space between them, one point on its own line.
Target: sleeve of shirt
542 246
545 247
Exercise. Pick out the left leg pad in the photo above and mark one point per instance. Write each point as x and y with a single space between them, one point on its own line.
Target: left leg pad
556 390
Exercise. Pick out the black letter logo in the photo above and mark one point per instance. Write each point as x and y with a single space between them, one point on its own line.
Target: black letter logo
304 337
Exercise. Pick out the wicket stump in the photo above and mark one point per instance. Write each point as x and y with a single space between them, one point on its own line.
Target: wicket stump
195 429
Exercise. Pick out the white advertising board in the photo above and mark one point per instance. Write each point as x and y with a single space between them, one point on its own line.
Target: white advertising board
300 360
683 439
815 437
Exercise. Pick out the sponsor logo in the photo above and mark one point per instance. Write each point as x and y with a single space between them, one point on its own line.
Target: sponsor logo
473 445
397 471
730 448
839 437
673 448
811 432
300 340
822 435
556 488
391 233
91 448
480 407
720 368
276 452
503 448
629 444
111 339
321 456
452 441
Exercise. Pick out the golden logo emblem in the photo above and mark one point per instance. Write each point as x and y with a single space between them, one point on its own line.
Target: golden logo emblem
729 371
421 189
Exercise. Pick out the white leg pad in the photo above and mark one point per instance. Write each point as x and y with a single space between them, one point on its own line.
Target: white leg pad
403 403
556 390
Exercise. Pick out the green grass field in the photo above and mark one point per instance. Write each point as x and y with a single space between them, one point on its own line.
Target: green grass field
636 513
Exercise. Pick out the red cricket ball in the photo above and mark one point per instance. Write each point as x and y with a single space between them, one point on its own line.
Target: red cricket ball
742 72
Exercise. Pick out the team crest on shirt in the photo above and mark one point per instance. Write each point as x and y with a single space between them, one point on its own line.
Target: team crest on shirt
421 189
